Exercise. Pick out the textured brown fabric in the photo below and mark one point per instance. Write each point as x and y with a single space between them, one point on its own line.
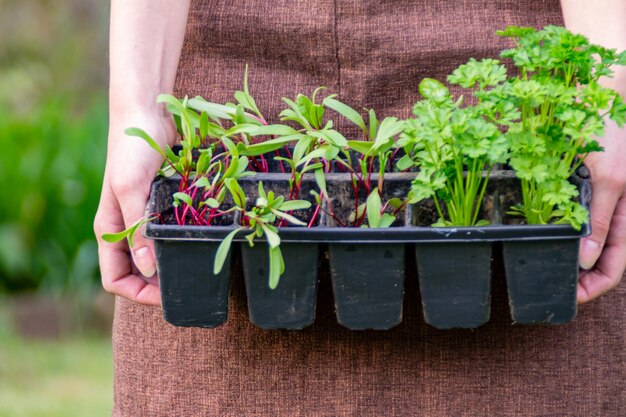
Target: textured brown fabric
372 53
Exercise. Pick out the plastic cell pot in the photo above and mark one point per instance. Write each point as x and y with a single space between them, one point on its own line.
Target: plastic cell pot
541 263
541 266
455 283
542 276
367 277
368 284
291 305
191 294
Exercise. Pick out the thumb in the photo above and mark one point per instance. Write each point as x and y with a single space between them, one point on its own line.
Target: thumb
603 202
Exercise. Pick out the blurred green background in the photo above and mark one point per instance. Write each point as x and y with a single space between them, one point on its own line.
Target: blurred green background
55 355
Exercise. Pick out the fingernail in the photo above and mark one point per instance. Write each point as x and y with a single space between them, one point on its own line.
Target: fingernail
589 253
144 261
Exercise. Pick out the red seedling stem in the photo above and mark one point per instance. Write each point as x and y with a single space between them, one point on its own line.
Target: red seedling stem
315 214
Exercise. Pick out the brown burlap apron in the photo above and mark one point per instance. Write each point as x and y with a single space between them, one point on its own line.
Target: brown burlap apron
373 53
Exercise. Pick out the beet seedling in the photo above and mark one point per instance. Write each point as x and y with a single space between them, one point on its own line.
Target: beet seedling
260 221
378 145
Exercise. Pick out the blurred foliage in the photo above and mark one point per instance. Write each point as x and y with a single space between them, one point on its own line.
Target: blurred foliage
50 172
53 123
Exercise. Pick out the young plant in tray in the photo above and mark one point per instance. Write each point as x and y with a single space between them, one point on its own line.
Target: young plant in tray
207 174
318 147
363 158
559 110
455 149
260 220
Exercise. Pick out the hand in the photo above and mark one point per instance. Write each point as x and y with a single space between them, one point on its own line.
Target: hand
130 169
603 253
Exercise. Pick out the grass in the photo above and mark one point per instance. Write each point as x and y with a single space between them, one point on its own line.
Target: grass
59 378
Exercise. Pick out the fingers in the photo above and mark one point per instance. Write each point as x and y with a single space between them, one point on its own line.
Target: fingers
609 268
118 278
131 188
603 204
115 264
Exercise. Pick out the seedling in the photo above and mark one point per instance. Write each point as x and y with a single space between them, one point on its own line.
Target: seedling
129 233
379 145
260 221
559 110
455 149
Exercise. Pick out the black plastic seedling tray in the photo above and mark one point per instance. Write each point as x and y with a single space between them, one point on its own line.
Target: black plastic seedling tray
368 265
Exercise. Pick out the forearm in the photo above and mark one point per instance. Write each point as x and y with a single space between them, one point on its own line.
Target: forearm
604 23
146 38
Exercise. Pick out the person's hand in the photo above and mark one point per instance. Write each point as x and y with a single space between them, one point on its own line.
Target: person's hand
603 253
130 168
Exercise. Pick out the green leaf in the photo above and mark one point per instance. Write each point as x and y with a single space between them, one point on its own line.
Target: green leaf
211 202
387 220
346 111
294 114
216 111
434 90
291 219
261 190
202 183
242 166
222 251
404 163
269 145
277 266
515 31
389 128
230 146
170 156
358 213
129 233
204 124
135 131
360 146
374 206
246 101
235 190
395 203
295 205
184 197
373 124
301 148
185 115
272 130
330 136
312 167
240 128
233 168
320 179
203 163
116 237
261 202
317 153
272 237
